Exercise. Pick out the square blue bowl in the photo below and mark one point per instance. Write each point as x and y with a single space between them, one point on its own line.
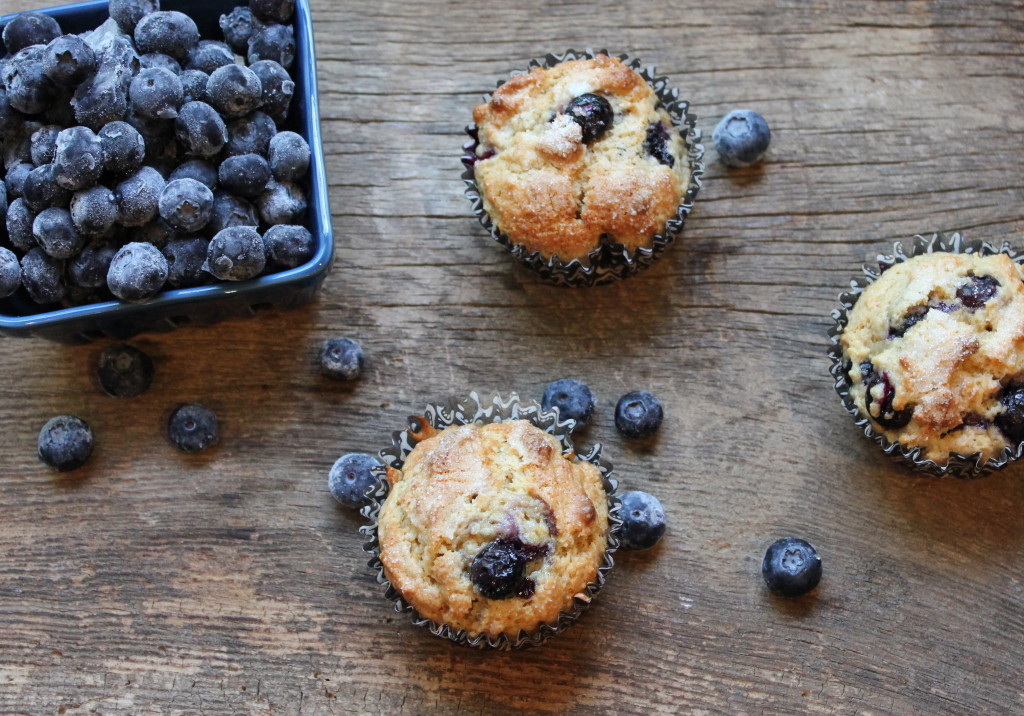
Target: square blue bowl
203 305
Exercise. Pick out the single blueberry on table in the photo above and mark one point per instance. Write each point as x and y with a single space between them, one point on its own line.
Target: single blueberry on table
341 359
192 428
1011 420
499 569
10 272
643 520
791 567
573 399
65 443
350 477
638 414
593 113
742 138
977 291
137 272
124 371
236 254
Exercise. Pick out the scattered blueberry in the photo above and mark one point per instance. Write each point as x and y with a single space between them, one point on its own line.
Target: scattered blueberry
250 135
78 158
237 27
244 174
65 443
10 272
499 569
137 272
341 359
94 211
288 245
282 203
273 42
236 254
168 31
42 276
127 13
200 129
350 477
573 399
124 371
234 90
55 232
593 113
68 61
124 148
193 86
289 156
278 89
42 191
272 10
643 520
186 205
185 259
138 196
791 567
29 28
638 414
742 138
656 144
887 417
1011 420
192 428
977 291
156 93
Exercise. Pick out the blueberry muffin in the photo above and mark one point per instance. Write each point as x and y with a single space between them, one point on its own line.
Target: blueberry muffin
579 155
933 354
491 530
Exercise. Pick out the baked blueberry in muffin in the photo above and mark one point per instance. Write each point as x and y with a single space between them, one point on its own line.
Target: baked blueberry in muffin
491 529
578 156
932 354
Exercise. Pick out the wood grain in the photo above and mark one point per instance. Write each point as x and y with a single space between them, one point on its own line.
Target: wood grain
230 583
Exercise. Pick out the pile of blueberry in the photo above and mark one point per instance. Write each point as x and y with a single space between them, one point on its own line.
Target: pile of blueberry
140 157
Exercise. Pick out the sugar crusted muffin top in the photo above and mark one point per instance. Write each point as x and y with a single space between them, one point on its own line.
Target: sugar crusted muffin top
555 180
935 354
473 504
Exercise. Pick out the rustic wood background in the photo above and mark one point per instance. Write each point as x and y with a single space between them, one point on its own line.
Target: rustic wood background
151 582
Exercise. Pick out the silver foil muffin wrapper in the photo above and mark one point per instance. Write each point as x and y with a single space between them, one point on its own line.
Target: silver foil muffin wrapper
961 466
612 261
488 408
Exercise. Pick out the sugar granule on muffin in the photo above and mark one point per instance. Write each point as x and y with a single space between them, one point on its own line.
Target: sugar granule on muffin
493 510
579 154
934 354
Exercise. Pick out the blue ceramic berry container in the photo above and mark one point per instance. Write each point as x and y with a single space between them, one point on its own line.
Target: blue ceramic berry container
215 302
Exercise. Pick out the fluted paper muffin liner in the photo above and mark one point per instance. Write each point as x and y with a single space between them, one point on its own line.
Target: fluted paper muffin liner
612 261
488 408
961 466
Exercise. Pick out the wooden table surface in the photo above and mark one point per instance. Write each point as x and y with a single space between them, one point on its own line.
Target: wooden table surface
151 582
